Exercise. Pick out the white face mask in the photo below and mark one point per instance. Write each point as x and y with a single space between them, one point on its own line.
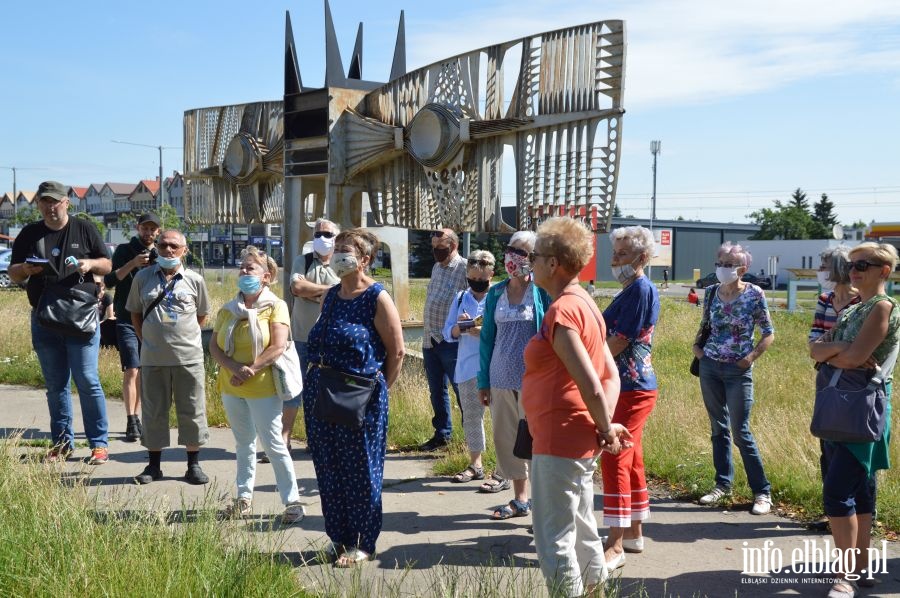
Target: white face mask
824 281
344 264
726 275
623 273
323 245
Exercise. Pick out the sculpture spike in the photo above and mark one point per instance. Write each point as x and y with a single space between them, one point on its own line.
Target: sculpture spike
355 71
292 80
398 67
334 66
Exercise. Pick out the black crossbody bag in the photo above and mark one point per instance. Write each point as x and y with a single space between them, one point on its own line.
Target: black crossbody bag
66 310
343 397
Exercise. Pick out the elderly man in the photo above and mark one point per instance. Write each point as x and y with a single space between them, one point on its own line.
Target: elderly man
73 249
168 305
448 278
127 260
311 276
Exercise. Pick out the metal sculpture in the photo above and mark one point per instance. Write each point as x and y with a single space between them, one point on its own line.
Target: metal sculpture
425 149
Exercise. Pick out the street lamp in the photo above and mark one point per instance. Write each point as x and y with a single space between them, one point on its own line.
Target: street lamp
655 149
162 186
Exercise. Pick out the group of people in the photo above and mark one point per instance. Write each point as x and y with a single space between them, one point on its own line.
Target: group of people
532 348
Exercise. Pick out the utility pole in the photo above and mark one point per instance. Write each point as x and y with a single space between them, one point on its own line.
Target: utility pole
162 185
655 149
15 191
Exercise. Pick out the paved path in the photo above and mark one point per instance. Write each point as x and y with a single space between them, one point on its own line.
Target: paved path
436 533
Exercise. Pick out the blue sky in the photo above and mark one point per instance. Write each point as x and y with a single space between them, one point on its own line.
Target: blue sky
750 99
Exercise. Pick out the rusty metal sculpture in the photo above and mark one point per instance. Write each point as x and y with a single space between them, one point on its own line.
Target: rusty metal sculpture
425 149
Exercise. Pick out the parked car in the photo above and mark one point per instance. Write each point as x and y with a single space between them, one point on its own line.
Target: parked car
709 279
5 281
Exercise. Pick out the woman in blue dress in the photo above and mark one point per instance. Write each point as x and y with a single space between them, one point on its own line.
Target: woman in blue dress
358 332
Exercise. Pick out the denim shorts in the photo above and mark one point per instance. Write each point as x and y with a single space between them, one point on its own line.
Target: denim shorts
129 345
301 353
847 489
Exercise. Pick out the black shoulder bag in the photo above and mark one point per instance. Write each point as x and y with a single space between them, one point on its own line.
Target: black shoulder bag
705 328
343 397
67 310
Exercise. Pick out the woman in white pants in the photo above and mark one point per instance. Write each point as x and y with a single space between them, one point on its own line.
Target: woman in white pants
569 393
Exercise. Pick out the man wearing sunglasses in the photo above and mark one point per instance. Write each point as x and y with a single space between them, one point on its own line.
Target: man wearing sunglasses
448 278
311 277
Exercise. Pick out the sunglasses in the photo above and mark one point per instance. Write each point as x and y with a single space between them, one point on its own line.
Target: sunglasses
863 265
516 251
482 263
437 234
534 255
323 233
727 265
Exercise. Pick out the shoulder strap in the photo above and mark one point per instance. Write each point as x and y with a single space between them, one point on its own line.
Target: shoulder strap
460 298
583 298
307 261
707 301
166 289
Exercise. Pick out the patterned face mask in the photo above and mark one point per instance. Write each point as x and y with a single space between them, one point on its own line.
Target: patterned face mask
516 265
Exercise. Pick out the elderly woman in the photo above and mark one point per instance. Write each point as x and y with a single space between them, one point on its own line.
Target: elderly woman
463 326
837 294
569 394
358 333
863 337
250 334
513 312
630 319
735 309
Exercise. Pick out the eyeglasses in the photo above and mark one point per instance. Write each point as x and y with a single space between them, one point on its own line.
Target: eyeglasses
168 245
863 265
482 263
323 233
727 265
534 255
437 234
516 251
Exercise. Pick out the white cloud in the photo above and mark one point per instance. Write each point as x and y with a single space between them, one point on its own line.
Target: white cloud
689 51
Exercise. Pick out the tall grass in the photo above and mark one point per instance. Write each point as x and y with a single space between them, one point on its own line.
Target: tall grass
676 439
58 542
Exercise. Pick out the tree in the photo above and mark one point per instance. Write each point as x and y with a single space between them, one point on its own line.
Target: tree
824 218
617 213
26 215
97 222
782 222
798 199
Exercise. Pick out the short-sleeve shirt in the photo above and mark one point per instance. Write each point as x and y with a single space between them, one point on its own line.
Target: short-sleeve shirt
632 316
826 316
446 282
467 357
851 321
558 419
78 238
732 324
305 311
261 385
171 332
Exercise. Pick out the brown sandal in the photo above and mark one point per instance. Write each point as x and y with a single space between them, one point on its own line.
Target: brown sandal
468 474
495 484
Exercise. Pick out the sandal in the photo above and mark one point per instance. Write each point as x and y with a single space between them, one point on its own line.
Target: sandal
351 558
515 508
495 484
468 474
838 591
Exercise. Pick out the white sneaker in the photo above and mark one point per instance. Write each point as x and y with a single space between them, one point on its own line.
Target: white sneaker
762 504
714 496
293 513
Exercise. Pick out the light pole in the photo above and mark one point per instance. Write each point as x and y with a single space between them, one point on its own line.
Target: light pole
162 185
655 149
15 192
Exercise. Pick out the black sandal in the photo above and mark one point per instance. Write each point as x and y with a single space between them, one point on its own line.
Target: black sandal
468 474
499 485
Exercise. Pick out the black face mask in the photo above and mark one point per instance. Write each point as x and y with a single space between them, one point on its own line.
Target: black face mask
440 253
478 286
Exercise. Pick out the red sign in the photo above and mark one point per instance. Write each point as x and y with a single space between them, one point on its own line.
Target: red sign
665 237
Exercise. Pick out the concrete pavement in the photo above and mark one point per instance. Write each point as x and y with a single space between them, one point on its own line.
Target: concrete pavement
438 538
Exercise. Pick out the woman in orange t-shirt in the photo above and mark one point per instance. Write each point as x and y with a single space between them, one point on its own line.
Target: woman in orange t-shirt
569 393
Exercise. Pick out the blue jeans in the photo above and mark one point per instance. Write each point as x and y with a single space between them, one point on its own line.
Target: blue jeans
63 358
728 396
302 351
440 366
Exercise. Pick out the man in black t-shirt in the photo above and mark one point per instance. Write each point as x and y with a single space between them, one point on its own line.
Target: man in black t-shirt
127 260
73 249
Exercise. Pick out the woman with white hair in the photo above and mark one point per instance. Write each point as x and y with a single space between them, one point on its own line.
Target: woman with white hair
631 319
513 312
735 309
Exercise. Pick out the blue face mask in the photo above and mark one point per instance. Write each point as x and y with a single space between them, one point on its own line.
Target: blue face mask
249 284
168 263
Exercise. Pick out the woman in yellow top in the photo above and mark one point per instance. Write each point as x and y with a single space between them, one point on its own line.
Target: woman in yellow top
250 333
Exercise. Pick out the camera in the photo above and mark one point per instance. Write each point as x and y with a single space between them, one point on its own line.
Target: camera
153 255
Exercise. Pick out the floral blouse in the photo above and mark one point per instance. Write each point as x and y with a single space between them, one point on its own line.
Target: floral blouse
732 323
632 316
851 319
